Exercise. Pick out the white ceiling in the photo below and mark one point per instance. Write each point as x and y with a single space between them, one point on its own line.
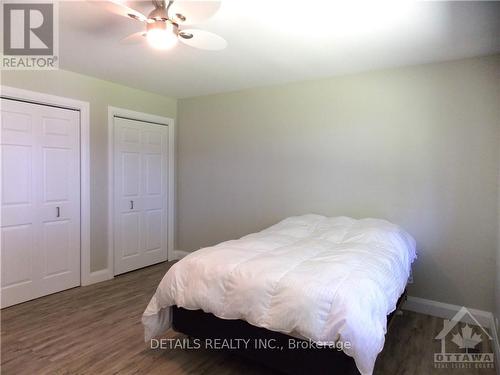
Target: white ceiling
278 41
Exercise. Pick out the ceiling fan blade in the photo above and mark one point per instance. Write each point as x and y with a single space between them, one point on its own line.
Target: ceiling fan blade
202 39
134 38
190 12
120 8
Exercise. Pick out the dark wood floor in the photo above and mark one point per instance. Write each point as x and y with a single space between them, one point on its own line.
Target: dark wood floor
97 330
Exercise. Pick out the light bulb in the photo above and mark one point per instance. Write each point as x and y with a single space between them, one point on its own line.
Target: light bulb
161 39
161 34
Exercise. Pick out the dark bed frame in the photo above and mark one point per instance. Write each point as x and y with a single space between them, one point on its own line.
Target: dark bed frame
201 325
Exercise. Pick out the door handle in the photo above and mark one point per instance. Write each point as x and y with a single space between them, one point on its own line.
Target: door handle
131 205
58 211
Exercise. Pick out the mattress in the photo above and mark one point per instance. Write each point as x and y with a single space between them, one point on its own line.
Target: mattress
326 279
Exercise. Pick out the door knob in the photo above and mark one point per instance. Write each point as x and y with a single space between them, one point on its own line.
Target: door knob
131 205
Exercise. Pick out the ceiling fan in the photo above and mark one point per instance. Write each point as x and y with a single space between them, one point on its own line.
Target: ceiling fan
165 23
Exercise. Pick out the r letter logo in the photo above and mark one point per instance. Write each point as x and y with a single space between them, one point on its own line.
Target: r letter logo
29 36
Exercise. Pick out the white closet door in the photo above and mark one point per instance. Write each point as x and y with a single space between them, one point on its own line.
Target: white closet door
140 194
40 216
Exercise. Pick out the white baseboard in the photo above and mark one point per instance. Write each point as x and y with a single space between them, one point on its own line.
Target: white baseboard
106 274
179 254
447 311
97 277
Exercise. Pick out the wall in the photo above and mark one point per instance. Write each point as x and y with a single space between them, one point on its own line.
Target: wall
99 94
416 145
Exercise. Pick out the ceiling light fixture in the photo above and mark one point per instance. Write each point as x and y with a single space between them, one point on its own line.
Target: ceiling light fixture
162 34
166 23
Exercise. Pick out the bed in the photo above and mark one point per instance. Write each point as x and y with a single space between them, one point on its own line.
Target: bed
321 279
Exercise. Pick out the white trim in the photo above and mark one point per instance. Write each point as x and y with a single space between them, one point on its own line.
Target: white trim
98 276
169 122
83 108
446 310
179 254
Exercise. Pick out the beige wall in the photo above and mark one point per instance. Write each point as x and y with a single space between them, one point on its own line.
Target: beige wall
99 94
416 145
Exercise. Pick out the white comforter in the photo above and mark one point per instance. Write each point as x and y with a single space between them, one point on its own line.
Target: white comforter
320 278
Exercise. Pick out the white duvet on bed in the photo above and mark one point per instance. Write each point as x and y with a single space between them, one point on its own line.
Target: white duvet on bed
320 278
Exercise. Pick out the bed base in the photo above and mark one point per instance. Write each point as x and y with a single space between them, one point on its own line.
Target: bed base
289 360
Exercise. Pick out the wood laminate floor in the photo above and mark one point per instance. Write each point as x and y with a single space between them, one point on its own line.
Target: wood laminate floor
97 330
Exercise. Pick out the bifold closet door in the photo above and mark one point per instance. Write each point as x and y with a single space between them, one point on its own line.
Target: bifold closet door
140 194
40 201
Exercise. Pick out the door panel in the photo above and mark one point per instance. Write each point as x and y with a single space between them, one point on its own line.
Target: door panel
16 174
130 234
17 127
56 246
56 175
60 198
17 259
19 219
140 194
53 126
131 174
153 222
154 176
40 200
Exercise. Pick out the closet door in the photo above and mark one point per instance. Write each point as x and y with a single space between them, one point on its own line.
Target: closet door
140 194
40 218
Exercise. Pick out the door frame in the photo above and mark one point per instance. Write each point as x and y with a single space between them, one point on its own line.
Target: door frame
159 120
8 92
